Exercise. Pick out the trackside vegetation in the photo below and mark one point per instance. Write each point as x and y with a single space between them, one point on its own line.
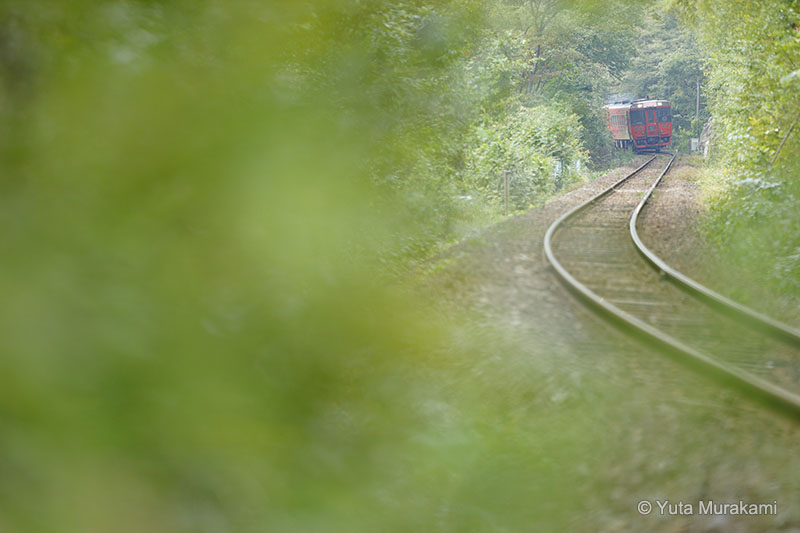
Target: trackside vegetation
752 56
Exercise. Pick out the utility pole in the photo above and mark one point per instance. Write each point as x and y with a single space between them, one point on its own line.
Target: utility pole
697 104
505 189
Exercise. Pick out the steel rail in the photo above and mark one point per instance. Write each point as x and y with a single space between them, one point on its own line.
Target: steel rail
749 316
768 392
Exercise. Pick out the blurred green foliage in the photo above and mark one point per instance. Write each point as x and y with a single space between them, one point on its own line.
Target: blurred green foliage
201 202
193 338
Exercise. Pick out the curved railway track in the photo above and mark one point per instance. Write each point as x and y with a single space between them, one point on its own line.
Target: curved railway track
599 256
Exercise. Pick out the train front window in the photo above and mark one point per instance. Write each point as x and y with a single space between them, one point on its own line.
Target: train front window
637 117
664 114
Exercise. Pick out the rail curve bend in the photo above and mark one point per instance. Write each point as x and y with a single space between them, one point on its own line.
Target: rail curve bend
747 315
769 392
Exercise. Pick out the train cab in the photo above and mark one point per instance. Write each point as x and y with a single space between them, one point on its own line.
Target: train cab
650 124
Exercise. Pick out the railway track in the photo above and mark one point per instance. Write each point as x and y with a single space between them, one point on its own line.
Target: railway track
596 251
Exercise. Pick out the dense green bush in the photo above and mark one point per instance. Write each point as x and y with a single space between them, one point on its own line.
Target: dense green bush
537 149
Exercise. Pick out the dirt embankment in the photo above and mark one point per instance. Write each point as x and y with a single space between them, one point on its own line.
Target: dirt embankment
669 223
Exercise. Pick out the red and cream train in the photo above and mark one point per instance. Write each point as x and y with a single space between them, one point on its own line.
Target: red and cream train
643 125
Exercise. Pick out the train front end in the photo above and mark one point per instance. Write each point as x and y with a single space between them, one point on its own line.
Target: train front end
650 125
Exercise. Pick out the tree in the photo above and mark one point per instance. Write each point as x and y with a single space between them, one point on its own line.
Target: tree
667 65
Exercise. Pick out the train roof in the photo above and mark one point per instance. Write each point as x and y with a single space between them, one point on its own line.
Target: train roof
637 104
648 103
